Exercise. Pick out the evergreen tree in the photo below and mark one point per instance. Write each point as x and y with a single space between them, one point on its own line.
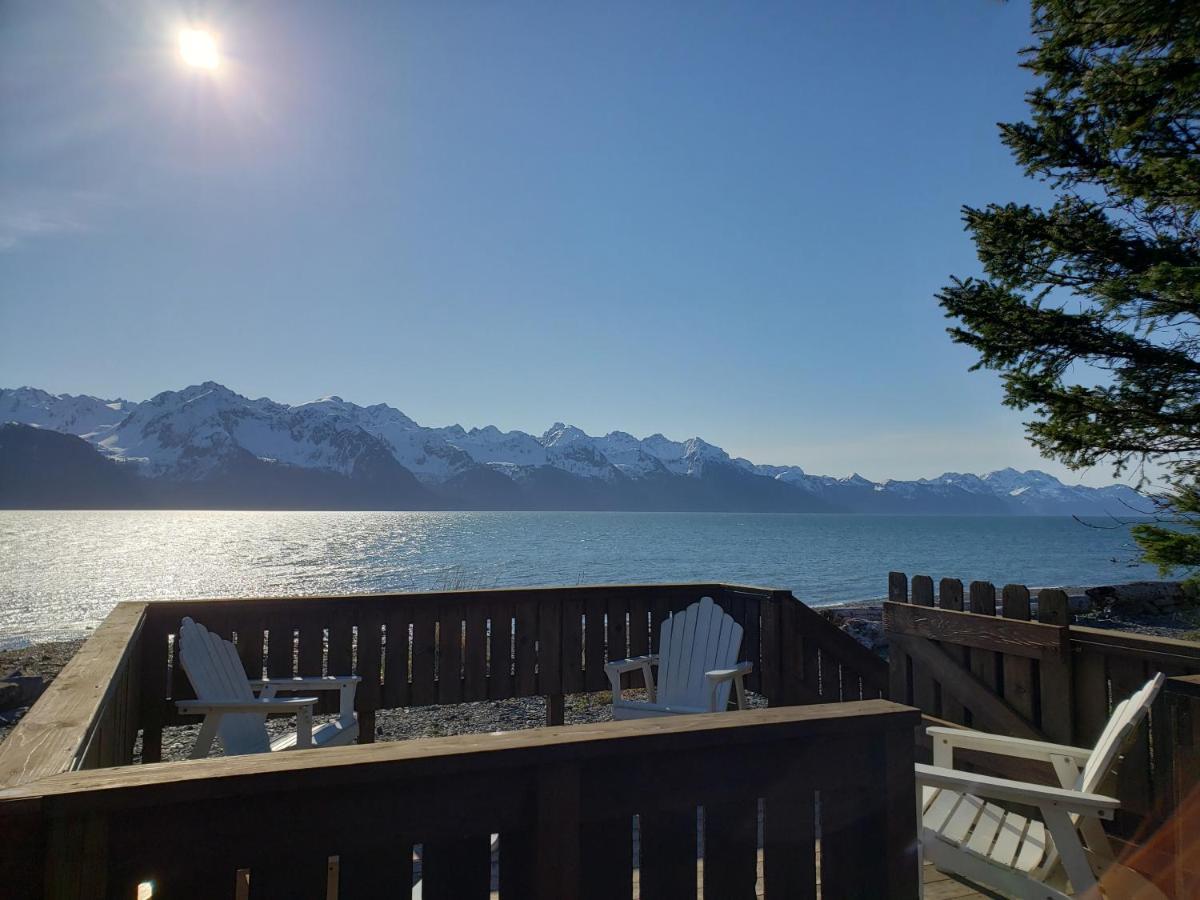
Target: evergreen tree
1090 309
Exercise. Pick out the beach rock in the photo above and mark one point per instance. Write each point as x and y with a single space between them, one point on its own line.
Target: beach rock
1140 598
10 695
20 690
869 634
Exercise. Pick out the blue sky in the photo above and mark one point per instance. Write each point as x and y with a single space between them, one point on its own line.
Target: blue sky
718 219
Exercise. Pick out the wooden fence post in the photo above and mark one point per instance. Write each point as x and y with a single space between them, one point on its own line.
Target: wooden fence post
1018 671
1058 685
924 695
897 659
950 596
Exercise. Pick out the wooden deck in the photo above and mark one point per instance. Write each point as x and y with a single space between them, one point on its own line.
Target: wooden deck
80 821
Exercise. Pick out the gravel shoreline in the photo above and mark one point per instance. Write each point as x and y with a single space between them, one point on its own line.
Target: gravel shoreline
479 717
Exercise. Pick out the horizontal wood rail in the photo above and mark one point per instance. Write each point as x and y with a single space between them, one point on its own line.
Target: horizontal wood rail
563 800
87 717
956 659
1029 639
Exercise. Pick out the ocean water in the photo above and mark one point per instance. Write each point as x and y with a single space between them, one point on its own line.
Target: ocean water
62 571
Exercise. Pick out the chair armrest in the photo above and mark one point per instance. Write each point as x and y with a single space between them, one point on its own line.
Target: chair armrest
618 667
1018 791
277 704
621 666
718 675
314 683
1002 745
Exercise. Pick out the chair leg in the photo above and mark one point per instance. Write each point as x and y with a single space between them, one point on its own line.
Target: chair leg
1070 849
208 733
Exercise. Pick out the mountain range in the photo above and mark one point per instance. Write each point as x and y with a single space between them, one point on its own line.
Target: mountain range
206 446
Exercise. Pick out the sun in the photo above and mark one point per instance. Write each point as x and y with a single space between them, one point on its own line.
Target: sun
199 48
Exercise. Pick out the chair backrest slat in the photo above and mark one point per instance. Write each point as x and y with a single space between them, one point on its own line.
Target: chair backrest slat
1122 725
215 671
697 640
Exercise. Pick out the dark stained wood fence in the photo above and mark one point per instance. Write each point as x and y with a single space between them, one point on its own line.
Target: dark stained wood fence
343 821
459 646
979 659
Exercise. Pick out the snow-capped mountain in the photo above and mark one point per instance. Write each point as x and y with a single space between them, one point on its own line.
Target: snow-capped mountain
61 412
217 440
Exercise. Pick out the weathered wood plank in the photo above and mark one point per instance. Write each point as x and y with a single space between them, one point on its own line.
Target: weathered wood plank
1057 682
557 833
500 648
731 849
1091 696
639 625
1031 640
51 737
550 647
775 658
250 639
752 642
616 629
396 656
1154 649
475 652
1133 774
340 658
923 685
527 651
368 695
281 651
450 646
594 637
789 839
606 859
899 678
668 853
969 629
572 644
988 709
900 861
983 664
1019 687
950 596
424 652
311 655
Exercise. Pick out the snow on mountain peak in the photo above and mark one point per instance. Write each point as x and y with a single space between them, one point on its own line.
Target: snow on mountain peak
189 433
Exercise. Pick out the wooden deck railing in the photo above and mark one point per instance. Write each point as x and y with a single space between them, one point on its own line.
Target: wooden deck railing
1047 679
453 647
89 716
414 650
343 822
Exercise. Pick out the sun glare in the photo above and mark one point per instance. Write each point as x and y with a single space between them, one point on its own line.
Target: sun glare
198 48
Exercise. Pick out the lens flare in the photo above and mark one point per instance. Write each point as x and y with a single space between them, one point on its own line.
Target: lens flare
198 48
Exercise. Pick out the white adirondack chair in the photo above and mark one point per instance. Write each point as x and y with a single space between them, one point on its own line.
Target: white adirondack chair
226 699
696 661
964 833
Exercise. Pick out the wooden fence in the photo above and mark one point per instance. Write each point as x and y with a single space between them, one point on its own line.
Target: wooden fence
412 650
954 658
460 646
343 822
